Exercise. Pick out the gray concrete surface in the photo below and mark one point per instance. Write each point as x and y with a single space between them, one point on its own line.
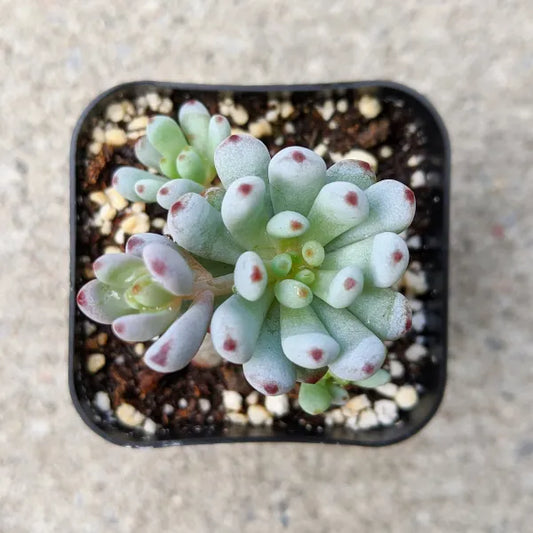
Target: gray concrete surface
472 468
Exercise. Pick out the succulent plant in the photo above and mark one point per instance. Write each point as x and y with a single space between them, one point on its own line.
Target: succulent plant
315 251
183 150
152 290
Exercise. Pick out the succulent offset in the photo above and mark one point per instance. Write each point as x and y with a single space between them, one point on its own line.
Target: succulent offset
152 290
182 154
314 252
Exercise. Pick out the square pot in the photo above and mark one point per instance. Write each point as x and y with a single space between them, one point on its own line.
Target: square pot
429 249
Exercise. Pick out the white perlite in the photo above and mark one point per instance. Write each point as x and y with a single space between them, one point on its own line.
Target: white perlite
167 409
351 423
232 400
418 179
369 106
342 105
128 415
419 321
239 115
116 137
415 282
115 112
286 109
237 418
327 110
153 100
149 426
406 397
183 403
135 223
385 152
367 419
277 405
355 404
388 390
204 404
258 415
321 149
396 369
386 412
102 402
252 398
260 128
416 352
95 362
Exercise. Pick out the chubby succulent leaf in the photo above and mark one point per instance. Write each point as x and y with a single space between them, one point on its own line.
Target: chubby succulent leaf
287 224
197 226
376 380
179 344
146 153
136 243
339 395
168 268
191 166
239 156
194 118
236 325
338 207
171 191
313 253
296 175
305 276
305 340
362 353
310 375
146 189
268 370
280 265
338 288
353 171
118 270
392 208
124 180
146 294
385 312
292 293
215 196
144 326
383 258
245 211
219 129
102 303
314 399
166 137
251 276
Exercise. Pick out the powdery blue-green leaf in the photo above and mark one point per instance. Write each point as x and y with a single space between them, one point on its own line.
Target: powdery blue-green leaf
197 226
310 375
353 171
136 243
287 224
102 303
168 268
172 190
392 208
146 189
166 137
236 324
338 288
146 153
362 353
251 276
239 156
219 129
293 294
143 326
179 344
296 175
245 211
305 340
382 258
338 207
118 270
268 370
124 180
192 166
313 253
385 312
380 377
314 399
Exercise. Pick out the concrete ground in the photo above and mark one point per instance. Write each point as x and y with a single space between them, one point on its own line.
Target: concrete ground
471 469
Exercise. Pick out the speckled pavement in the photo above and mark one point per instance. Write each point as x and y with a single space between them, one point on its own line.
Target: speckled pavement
471 469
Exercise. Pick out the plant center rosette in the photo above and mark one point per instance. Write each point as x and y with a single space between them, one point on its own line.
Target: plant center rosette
315 252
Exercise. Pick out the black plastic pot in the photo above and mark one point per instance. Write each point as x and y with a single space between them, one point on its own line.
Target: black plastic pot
435 254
